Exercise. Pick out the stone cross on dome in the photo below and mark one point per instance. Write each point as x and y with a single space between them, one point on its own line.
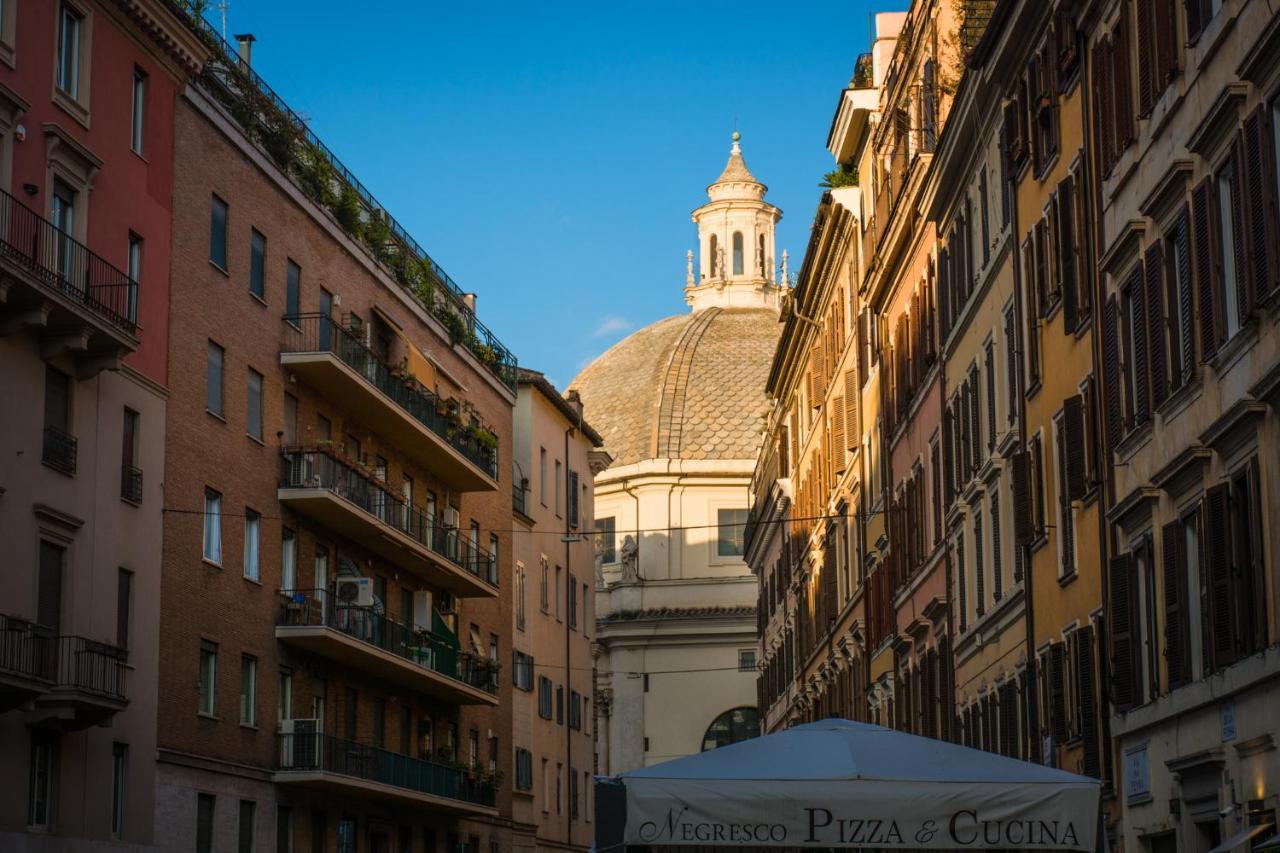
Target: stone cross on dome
736 241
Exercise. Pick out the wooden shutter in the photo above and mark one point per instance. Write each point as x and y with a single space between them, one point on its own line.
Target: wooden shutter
1068 247
1023 529
1195 19
1186 319
1082 275
975 419
1166 34
1099 64
851 391
1121 78
1140 385
1112 415
1206 271
1012 362
818 366
1240 232
1146 55
1217 552
1087 702
1057 694
838 443
1155 324
1074 440
1260 194
1122 616
1173 560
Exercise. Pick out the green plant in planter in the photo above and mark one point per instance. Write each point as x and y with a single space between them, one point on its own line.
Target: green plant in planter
315 173
348 209
377 236
486 354
484 437
454 323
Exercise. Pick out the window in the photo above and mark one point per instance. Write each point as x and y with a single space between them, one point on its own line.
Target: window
284 704
290 419
572 591
59 444
544 697
542 475
248 809
208 676
1234 578
731 525
293 290
43 783
522 670
347 835
213 380
559 490
573 506
737 253
731 727
524 769
204 823
1228 202
218 233
248 690
253 413
119 764
559 585
746 660
1066 513
134 270
213 526
288 560
258 264
284 829
559 776
715 256
542 590
252 529
607 540
520 595
493 558
70 27
1037 485
124 599
379 722
1179 298
138 125
473 748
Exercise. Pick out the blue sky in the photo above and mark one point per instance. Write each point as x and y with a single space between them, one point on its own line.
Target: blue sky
548 154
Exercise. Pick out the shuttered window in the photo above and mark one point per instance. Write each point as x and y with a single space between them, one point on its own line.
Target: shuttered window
961 584
1074 440
1137 396
1262 232
1177 275
1022 524
1057 694
991 396
1122 612
1011 364
1156 29
1066 515
1157 343
975 418
979 567
1085 710
1204 248
1177 654
997 558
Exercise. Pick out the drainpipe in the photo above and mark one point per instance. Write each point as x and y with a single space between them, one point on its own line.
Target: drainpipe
568 631
1033 715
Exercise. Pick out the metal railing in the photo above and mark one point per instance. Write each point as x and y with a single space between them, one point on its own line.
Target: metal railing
24 649
221 78
329 754
59 450
131 483
66 266
519 499
89 665
306 333
320 607
321 468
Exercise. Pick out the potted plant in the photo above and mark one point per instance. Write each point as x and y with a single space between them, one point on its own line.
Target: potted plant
348 210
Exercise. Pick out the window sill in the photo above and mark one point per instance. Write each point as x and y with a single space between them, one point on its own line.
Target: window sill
1065 581
220 269
1032 389
1133 441
1045 170
203 715
70 475
215 415
255 439
1179 400
249 727
130 501
1230 353
256 298
1041 540
71 107
211 564
254 581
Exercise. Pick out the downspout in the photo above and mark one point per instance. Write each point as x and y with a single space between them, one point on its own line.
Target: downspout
1028 609
568 540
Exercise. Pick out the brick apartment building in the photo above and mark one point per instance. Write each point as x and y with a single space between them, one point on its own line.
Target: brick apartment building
87 89
338 449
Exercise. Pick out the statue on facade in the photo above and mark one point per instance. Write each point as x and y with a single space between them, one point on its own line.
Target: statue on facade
630 559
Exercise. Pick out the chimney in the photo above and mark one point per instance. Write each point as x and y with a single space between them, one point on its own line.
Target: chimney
469 299
575 401
245 41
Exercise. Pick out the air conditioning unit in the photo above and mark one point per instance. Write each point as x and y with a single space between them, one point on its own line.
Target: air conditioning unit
451 518
354 592
422 610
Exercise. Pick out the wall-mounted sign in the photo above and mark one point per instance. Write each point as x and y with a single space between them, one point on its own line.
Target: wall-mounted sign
1227 715
1137 782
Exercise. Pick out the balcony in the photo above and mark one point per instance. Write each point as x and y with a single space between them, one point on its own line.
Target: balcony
352 503
369 642
131 484
336 363
88 684
58 450
70 297
348 768
25 663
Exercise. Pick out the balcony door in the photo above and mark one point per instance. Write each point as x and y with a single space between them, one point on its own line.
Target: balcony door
62 211
49 605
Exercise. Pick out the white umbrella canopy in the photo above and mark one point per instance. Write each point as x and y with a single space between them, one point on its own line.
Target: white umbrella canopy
838 783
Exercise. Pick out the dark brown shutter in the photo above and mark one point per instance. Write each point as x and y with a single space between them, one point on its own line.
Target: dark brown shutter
1240 232
1140 388
1123 675
1067 249
1175 596
1186 320
1217 533
851 410
1195 19
1155 324
1073 435
1206 271
1112 414
1099 64
1057 694
1260 195
975 419
1023 530
1121 80
1146 56
1088 705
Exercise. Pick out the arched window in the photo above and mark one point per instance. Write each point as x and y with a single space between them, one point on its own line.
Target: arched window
760 259
737 253
731 727
715 256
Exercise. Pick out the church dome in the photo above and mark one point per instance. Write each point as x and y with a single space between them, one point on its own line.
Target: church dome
686 387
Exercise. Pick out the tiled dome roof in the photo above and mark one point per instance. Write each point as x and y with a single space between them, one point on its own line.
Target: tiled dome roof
687 387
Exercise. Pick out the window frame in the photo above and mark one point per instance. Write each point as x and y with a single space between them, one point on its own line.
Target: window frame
207 668
138 112
219 242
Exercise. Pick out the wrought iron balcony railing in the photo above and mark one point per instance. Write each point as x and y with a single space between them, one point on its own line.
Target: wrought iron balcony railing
25 650
131 483
90 666
65 266
321 468
324 753
321 607
59 451
519 499
320 333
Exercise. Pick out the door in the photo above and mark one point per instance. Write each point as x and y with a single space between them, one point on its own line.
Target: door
49 605
322 581
63 213
325 324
